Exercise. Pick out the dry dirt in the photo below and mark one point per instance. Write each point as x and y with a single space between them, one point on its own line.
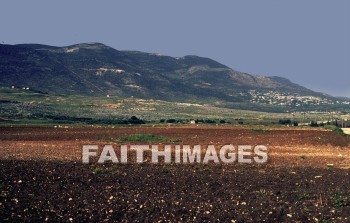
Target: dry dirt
346 130
42 178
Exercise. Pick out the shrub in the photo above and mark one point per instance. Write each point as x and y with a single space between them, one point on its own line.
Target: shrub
314 124
339 131
285 121
135 120
165 170
171 120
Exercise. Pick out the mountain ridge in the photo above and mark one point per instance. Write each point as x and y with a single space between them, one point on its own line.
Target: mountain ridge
97 69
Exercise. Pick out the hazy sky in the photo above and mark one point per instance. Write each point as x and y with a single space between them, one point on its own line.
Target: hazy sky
305 41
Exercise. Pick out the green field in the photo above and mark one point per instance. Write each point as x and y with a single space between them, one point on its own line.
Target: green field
19 106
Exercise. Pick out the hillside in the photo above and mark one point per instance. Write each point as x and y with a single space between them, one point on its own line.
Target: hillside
94 69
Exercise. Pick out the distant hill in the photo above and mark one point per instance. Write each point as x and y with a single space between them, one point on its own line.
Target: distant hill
97 69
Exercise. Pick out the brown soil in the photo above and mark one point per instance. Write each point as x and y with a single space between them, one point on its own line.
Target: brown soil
42 178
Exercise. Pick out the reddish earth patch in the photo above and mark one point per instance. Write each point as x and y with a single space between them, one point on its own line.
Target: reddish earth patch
287 147
42 178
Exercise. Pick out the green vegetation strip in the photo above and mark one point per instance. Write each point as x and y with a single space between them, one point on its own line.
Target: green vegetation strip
148 138
335 129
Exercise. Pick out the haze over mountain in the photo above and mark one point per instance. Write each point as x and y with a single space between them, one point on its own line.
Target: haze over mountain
95 69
